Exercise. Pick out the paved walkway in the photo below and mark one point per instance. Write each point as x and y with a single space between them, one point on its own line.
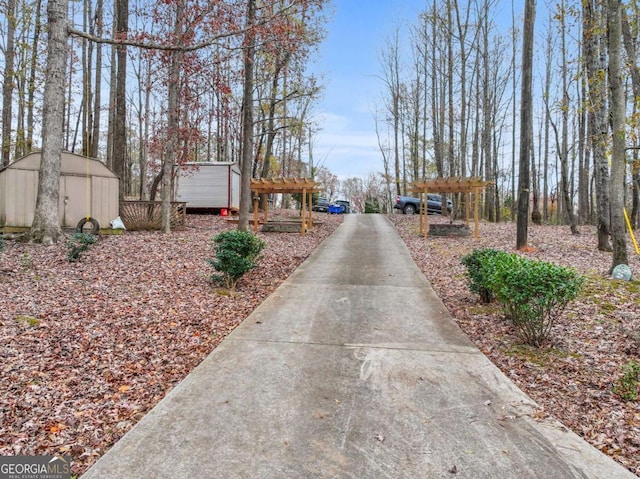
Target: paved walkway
353 368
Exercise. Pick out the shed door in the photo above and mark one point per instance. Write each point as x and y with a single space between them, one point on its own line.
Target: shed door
74 204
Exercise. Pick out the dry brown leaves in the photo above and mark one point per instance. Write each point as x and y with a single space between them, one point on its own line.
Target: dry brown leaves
88 348
573 376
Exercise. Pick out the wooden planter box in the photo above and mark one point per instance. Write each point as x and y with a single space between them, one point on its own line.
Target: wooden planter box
436 229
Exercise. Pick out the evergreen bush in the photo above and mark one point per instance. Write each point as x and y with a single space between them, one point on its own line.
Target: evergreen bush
628 385
533 294
78 244
480 264
236 253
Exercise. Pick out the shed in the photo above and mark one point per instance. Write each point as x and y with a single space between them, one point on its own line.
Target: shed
209 185
87 187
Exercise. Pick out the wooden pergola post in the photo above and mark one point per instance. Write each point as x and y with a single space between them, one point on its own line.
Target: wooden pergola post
266 208
256 207
476 213
303 211
421 210
310 202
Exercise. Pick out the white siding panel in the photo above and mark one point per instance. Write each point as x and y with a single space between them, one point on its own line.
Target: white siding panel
235 189
207 185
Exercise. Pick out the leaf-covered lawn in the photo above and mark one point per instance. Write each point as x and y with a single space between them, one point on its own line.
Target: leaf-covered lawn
573 376
88 348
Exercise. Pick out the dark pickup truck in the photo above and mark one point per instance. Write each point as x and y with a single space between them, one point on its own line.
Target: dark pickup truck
409 205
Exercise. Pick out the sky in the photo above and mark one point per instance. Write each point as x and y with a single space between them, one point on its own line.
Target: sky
348 63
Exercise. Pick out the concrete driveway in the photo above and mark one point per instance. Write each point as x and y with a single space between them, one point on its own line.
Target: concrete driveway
353 368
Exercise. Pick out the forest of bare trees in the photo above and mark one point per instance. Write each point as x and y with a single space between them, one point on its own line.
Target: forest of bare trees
452 107
147 86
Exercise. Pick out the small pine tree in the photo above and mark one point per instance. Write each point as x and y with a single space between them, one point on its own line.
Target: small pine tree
236 253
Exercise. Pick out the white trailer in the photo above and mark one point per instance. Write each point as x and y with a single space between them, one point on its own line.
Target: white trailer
209 185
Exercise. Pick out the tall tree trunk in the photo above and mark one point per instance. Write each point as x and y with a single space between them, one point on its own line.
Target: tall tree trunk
173 121
618 164
144 112
630 48
394 76
451 161
247 117
547 126
436 97
95 133
113 74
32 77
564 146
526 118
536 217
514 78
8 82
46 222
598 117
462 38
487 126
87 91
583 157
120 115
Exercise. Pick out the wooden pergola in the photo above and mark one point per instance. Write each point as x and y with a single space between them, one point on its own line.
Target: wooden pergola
469 186
304 186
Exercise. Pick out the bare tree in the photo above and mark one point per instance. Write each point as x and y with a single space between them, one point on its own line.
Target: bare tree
391 78
33 73
487 125
547 125
173 123
563 144
95 124
119 150
618 163
46 223
632 65
526 117
247 117
598 127
8 82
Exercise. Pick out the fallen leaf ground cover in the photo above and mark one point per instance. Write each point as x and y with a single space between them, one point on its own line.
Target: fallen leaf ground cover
573 376
88 348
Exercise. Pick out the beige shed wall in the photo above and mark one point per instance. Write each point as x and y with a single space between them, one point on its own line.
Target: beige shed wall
18 204
96 195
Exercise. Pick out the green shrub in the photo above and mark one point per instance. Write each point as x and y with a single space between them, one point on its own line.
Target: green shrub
77 244
372 205
533 294
26 260
236 253
1 244
628 384
480 263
